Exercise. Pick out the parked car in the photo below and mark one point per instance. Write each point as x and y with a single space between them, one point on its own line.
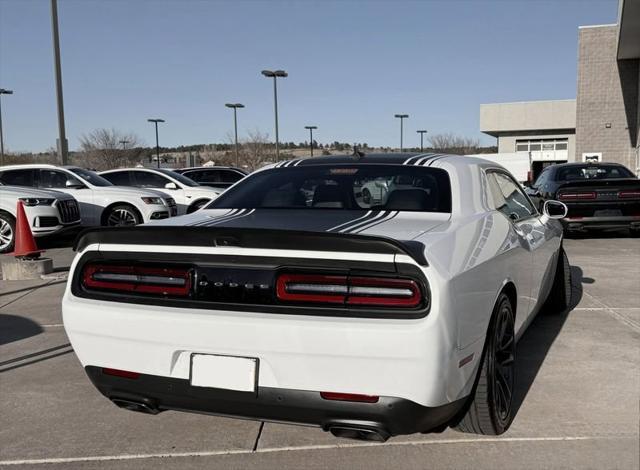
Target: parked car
48 212
598 195
188 194
219 177
101 203
376 191
367 322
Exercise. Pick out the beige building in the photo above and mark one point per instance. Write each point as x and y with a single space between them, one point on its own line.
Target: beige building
603 122
545 128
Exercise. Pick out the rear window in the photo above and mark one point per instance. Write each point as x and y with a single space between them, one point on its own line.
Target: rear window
348 187
592 172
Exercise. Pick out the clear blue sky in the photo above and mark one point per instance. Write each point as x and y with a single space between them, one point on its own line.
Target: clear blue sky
351 64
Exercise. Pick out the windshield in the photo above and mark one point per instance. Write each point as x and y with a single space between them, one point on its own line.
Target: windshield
348 187
91 177
178 177
591 172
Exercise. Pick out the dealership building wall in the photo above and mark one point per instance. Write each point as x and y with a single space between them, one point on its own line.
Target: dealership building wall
607 98
604 119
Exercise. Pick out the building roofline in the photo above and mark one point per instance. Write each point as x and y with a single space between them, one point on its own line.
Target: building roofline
529 101
597 25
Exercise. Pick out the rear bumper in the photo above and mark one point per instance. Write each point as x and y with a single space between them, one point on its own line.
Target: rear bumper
389 415
602 223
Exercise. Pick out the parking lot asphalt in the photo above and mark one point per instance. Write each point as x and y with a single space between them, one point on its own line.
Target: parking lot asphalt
577 396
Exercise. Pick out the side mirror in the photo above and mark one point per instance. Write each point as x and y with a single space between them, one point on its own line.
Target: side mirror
73 184
555 209
171 185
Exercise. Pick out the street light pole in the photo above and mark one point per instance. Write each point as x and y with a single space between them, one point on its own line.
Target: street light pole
275 74
402 117
124 144
156 121
422 133
311 128
62 138
2 92
235 107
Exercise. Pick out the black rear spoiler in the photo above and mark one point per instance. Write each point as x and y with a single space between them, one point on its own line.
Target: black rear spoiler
249 238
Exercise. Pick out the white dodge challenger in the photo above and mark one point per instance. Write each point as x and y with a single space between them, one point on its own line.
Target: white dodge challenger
291 299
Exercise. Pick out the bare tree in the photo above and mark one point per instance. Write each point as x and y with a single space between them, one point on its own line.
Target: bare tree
102 149
256 151
451 143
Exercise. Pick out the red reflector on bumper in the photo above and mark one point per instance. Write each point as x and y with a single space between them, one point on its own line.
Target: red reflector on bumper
120 373
349 397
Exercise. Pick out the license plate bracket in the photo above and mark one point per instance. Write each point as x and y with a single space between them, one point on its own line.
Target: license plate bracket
224 372
608 213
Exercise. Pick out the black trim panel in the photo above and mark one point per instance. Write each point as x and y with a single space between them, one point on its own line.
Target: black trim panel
395 415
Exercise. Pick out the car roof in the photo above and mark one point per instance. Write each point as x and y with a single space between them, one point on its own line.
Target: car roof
28 166
436 160
191 168
565 165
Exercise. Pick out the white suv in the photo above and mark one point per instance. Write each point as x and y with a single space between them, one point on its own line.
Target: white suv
47 212
101 203
189 195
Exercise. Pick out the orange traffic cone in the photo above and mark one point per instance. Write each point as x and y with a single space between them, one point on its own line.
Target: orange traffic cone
25 246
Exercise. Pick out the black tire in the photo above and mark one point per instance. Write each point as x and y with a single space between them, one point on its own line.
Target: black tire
196 205
491 409
559 298
366 196
122 215
634 232
7 232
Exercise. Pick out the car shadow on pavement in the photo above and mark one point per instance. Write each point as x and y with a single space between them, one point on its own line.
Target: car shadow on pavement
535 343
15 328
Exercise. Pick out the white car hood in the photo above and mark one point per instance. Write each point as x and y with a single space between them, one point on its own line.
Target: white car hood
23 191
203 190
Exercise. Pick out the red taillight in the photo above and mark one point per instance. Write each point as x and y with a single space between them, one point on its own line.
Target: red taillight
311 288
137 279
578 195
629 194
120 373
350 397
347 290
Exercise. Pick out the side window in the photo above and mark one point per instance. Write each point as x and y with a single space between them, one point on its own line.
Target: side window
56 179
509 197
196 176
230 176
146 179
119 178
542 179
17 177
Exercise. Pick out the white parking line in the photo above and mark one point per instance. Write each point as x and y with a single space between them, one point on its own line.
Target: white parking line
612 311
102 458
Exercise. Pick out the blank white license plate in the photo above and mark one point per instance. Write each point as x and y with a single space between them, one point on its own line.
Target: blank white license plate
226 372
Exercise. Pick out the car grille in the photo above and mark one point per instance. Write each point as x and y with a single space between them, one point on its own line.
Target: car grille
173 208
69 211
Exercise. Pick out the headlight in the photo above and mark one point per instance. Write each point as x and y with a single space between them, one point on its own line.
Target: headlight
36 201
153 200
